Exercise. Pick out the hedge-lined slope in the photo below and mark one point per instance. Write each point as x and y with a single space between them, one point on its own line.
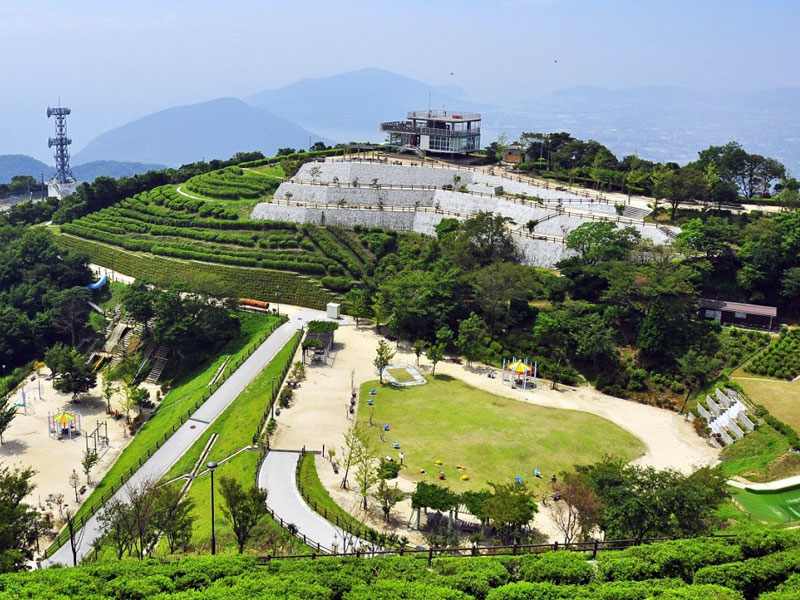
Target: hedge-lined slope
213 279
232 183
165 223
699 569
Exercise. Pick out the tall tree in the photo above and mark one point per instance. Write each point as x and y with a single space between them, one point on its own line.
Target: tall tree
75 376
138 300
470 332
173 516
387 497
73 306
383 356
7 413
243 508
19 522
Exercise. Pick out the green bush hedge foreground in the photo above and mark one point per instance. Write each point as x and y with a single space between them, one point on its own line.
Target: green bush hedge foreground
755 566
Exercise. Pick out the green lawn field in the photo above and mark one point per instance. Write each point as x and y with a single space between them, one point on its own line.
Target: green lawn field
495 439
782 398
774 507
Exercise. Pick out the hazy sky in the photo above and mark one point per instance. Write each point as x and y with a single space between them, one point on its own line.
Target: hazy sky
114 61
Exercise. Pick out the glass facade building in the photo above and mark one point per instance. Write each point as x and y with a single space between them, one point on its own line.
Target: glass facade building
437 131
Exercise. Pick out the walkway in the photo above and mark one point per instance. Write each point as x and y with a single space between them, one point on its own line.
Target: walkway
277 476
186 435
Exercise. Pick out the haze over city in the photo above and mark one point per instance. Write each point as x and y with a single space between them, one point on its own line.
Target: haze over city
116 62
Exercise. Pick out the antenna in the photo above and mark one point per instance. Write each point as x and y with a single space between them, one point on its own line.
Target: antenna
429 103
61 143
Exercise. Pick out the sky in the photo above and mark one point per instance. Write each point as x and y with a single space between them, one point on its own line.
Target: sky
112 62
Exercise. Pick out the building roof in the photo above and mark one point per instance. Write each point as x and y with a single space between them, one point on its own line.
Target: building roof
444 115
750 309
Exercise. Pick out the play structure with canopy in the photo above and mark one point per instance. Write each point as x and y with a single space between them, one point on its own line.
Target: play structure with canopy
519 373
64 423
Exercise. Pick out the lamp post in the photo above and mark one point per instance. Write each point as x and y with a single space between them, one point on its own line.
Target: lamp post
278 298
211 466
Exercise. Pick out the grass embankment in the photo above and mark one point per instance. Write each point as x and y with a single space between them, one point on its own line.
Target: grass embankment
762 455
206 278
319 499
235 428
495 439
186 391
773 507
401 375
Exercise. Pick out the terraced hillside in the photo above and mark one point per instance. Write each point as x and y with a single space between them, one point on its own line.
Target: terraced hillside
173 235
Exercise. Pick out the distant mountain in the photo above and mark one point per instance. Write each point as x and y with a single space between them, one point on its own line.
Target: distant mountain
215 129
22 164
111 168
349 106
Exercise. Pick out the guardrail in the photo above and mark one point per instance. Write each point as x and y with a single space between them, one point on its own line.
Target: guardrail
78 523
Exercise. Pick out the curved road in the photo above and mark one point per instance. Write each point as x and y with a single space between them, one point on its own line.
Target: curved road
277 476
190 431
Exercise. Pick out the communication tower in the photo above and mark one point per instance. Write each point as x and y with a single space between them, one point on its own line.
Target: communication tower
63 182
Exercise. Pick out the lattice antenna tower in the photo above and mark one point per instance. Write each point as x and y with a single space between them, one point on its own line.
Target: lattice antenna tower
61 143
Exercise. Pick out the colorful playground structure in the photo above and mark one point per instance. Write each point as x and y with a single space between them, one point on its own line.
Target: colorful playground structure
519 373
64 423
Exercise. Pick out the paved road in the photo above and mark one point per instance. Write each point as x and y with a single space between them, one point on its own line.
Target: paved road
186 435
277 476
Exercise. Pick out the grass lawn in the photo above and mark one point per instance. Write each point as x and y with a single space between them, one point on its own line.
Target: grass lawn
780 397
274 170
235 428
110 295
774 507
494 438
185 392
762 455
400 374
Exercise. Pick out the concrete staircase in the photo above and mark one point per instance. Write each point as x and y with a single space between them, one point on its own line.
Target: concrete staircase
159 363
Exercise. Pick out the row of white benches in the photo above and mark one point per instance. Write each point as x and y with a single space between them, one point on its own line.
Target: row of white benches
726 415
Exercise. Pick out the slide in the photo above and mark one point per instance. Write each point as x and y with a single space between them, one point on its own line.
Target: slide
98 284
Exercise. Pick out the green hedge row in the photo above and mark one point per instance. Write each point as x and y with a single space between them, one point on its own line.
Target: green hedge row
212 279
552 575
784 428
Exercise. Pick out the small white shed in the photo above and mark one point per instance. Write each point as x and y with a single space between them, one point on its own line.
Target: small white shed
334 309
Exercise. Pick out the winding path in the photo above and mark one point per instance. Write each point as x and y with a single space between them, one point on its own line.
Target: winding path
277 476
187 434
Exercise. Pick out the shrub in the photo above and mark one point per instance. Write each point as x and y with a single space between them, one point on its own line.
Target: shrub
557 567
388 469
753 576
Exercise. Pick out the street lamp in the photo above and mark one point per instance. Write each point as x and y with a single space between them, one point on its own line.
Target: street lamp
278 298
211 466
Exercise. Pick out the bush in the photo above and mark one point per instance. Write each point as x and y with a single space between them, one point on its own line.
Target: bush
557 567
753 576
285 397
525 590
388 469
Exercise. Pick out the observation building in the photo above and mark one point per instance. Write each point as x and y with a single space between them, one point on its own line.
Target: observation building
436 131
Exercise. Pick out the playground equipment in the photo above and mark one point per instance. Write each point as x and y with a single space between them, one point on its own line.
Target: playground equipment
63 423
98 438
22 399
98 284
518 373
